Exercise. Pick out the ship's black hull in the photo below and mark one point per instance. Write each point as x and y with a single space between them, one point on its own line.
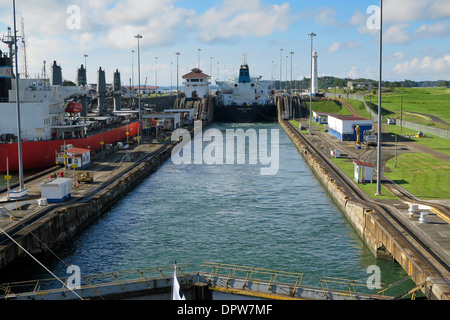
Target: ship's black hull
253 113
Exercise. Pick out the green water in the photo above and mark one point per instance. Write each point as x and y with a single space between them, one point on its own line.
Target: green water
230 214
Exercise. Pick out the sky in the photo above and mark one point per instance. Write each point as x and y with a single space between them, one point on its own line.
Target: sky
217 33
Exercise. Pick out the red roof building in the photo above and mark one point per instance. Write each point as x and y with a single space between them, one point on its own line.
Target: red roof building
196 84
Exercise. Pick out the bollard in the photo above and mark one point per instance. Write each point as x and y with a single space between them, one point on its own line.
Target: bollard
423 217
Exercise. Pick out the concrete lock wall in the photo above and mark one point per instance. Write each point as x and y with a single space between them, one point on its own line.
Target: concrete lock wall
368 224
52 231
376 233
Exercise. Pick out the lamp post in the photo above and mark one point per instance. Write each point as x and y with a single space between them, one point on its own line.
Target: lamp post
312 35
378 193
19 134
291 53
177 54
85 65
132 68
199 57
138 37
210 67
281 63
156 74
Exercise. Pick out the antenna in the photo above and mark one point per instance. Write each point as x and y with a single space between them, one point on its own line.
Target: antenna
244 58
24 50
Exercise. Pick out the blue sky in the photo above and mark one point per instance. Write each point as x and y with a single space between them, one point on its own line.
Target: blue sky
416 37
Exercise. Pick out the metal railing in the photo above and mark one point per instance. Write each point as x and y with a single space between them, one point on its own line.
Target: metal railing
272 277
91 281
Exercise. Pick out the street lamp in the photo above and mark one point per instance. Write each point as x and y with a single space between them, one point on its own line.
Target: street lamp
177 53
138 37
199 57
132 68
19 135
291 53
281 63
210 68
85 65
156 73
312 35
378 193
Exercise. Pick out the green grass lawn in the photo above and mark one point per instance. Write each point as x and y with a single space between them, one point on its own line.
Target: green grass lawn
359 107
434 101
329 106
370 189
433 142
423 175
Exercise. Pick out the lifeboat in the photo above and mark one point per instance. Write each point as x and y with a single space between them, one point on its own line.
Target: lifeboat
74 107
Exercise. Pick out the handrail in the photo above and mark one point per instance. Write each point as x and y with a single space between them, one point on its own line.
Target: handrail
249 273
119 277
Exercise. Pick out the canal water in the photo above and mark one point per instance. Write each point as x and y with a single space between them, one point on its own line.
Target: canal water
229 213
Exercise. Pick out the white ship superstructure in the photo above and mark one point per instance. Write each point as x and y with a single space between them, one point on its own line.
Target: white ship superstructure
42 107
245 90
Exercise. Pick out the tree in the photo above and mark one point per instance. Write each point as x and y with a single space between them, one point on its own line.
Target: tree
68 83
443 83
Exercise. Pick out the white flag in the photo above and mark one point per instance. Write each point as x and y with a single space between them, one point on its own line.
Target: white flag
177 294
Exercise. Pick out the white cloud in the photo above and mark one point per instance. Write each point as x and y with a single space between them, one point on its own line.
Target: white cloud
235 18
397 11
336 46
439 28
399 17
326 17
439 67
397 34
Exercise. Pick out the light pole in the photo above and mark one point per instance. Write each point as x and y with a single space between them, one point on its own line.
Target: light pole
210 67
281 63
156 73
291 53
218 70
378 193
138 37
287 72
290 88
132 68
177 53
312 35
199 57
85 65
19 135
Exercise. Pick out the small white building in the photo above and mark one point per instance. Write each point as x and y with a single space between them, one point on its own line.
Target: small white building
343 127
79 156
196 84
363 172
57 190
322 117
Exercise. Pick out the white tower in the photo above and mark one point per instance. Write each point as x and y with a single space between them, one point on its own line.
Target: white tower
315 80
